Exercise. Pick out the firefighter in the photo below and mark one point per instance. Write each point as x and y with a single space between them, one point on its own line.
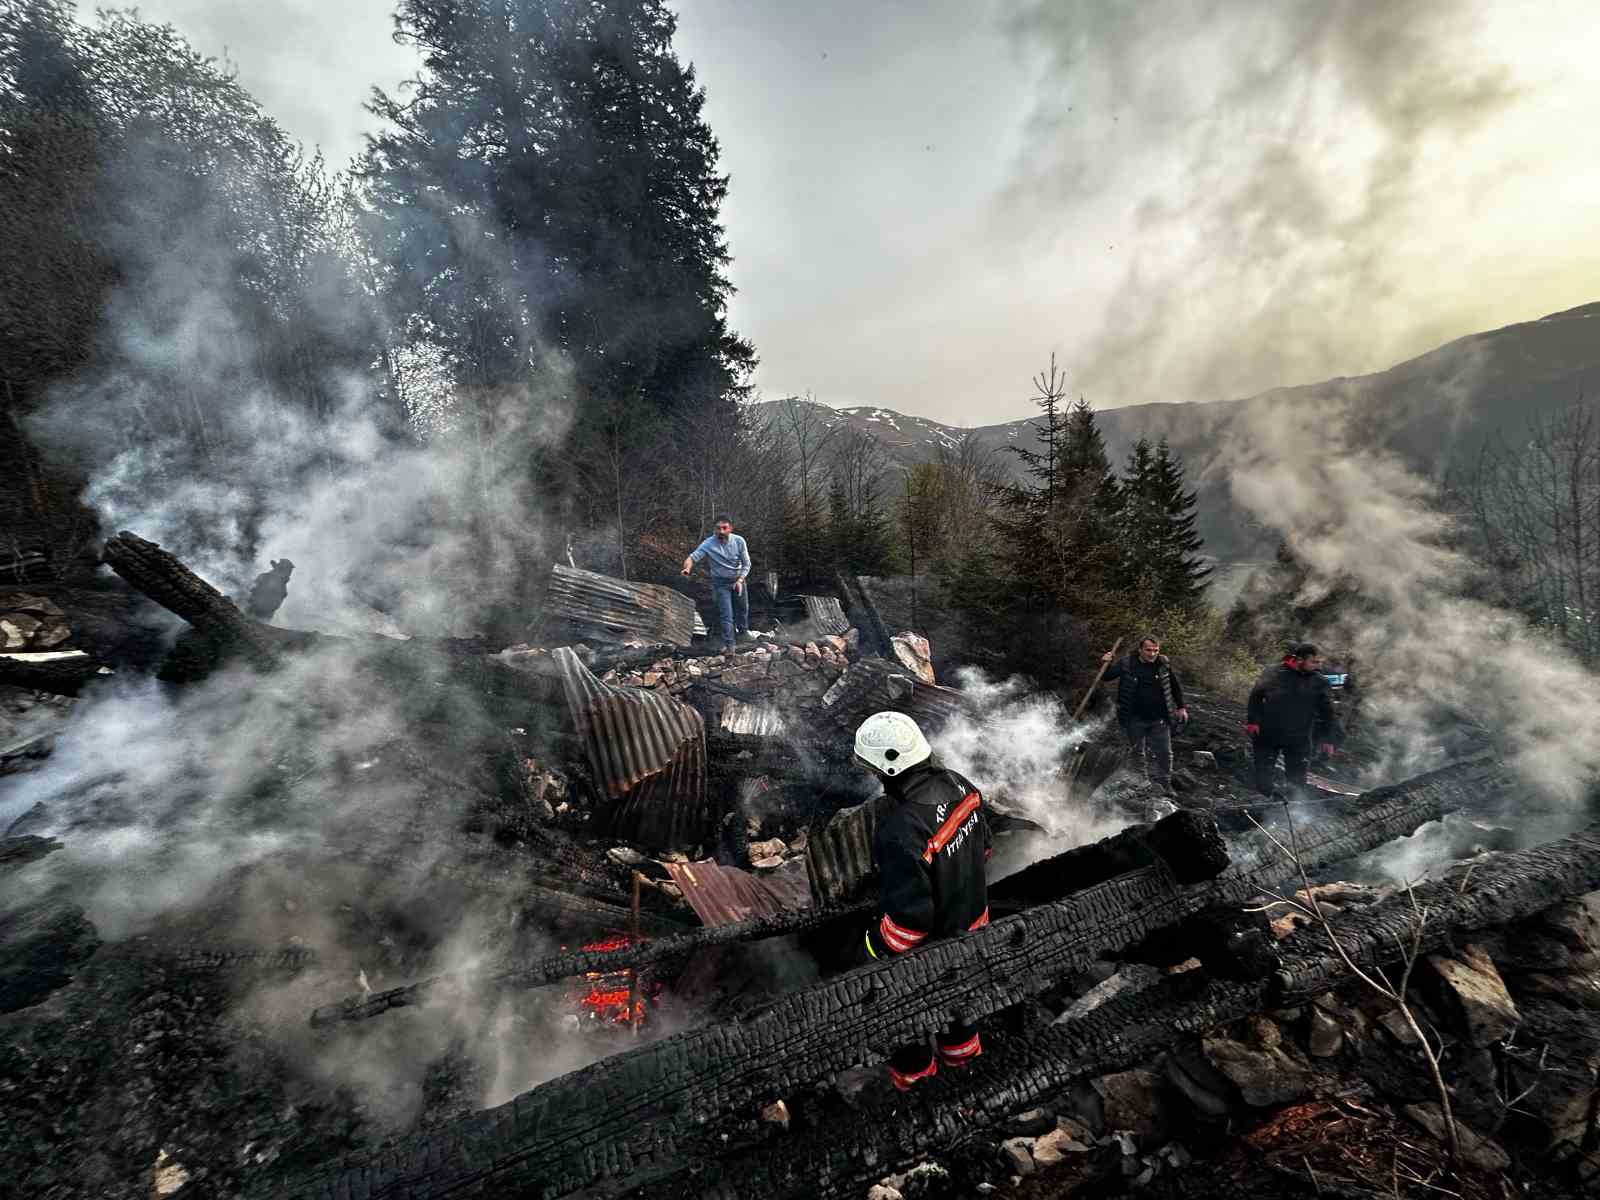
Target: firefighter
930 849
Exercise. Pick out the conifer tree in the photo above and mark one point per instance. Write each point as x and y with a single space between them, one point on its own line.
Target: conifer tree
1183 572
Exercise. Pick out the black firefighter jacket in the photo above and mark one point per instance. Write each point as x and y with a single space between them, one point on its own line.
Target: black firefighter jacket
931 849
1293 708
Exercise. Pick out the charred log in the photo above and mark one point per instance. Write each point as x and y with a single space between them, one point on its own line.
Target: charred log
159 575
1189 842
842 1150
608 1121
61 673
558 967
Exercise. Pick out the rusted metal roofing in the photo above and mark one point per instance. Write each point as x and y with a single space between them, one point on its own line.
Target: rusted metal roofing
839 860
648 754
824 612
724 895
604 609
879 685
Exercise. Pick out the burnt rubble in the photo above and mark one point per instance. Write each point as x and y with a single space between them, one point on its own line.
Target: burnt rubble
649 835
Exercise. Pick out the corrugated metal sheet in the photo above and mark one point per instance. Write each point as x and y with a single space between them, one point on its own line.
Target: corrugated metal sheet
648 753
750 720
878 685
825 613
839 859
604 609
725 895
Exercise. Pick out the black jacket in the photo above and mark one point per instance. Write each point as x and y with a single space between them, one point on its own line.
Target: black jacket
1126 669
931 849
1293 708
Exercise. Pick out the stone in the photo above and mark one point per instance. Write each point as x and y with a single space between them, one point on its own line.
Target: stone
1325 1037
767 864
1208 1095
625 856
170 1175
776 1113
770 848
1133 1101
796 655
882 1191
1032 1123
1399 1028
811 657
1019 1154
1573 990
801 841
1075 1129
1476 1150
1203 760
914 653
1263 1032
833 642
1264 1077
1474 996
1054 1146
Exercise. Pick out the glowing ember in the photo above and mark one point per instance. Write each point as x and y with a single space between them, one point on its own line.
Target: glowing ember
607 998
619 942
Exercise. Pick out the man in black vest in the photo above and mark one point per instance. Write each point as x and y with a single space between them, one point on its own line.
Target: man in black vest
1291 706
1149 704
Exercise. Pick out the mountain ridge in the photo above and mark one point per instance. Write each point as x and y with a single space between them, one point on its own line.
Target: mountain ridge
1434 411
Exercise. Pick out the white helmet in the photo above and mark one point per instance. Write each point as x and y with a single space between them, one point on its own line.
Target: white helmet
890 742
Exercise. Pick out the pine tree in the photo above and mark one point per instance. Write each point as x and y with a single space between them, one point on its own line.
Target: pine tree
1182 571
546 197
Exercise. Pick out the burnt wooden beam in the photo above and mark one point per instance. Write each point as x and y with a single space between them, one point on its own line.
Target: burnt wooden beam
606 1121
60 673
1186 841
840 1150
162 577
558 967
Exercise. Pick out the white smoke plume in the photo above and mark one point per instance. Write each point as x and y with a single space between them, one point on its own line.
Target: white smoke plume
1015 743
1431 657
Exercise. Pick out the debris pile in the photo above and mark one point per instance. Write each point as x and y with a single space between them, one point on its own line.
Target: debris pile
640 829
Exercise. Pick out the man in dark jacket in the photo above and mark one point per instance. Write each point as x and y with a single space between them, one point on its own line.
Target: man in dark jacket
930 849
1149 704
1291 706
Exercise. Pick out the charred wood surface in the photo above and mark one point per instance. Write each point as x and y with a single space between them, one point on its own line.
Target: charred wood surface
1187 842
558 967
1185 839
843 1149
159 575
607 1122
56 674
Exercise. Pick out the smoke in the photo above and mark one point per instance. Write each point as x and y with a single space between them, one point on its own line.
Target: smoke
1263 191
1432 658
1016 744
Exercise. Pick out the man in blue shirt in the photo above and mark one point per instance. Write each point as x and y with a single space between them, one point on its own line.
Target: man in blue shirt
729 557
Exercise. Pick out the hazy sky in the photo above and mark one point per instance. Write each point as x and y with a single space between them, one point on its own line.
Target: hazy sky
1183 199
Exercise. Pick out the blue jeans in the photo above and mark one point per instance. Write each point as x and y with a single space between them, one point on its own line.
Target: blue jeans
734 608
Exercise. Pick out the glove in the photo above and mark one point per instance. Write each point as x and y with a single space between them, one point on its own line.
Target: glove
1326 749
1253 730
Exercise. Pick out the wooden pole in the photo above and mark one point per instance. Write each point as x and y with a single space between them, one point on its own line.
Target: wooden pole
1084 703
633 972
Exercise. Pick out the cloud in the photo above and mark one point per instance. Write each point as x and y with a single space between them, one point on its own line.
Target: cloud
1276 179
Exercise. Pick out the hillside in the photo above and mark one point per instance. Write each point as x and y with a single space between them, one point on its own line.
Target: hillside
1434 411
